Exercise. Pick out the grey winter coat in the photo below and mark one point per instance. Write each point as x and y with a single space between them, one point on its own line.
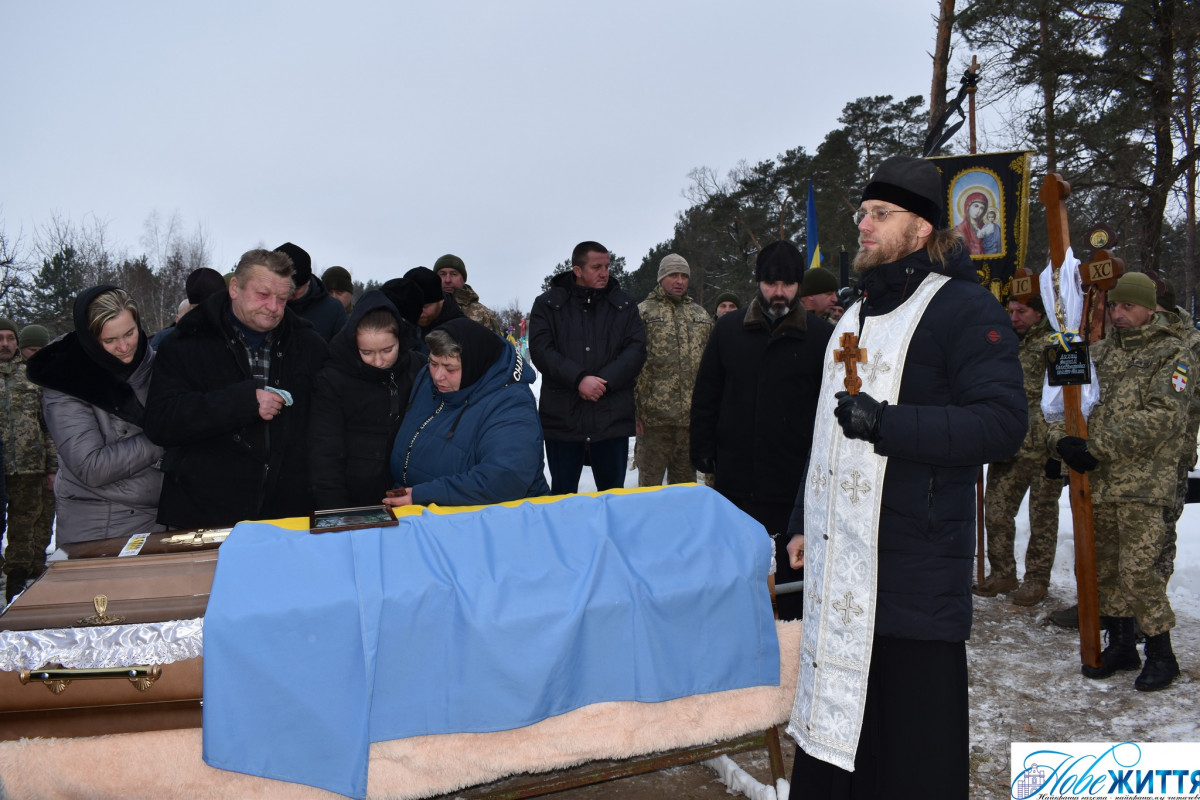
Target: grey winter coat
108 482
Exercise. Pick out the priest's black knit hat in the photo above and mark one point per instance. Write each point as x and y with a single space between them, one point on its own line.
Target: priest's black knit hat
914 184
779 261
301 262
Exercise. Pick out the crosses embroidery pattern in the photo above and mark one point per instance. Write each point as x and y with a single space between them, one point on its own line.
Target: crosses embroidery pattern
846 606
855 486
817 480
874 367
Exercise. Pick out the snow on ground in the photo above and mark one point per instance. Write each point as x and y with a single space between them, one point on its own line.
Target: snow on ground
1024 673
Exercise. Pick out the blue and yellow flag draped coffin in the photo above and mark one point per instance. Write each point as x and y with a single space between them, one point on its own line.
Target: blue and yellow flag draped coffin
475 621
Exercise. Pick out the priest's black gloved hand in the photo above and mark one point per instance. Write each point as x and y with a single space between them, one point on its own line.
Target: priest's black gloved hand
859 415
1075 453
1053 469
706 465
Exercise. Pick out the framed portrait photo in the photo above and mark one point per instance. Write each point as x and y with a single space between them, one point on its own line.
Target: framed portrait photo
351 519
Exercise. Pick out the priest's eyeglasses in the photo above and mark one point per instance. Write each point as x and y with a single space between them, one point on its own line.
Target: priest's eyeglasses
877 214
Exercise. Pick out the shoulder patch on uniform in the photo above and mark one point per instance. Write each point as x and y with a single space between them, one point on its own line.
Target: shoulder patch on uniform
1179 378
993 335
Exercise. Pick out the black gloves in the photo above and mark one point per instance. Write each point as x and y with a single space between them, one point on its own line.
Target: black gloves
1053 469
705 465
1075 453
859 415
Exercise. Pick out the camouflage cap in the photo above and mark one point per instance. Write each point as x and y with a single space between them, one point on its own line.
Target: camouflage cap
672 263
337 279
451 261
1136 288
33 336
818 280
727 297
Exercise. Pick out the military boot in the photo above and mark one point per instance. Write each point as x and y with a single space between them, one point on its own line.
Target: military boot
1161 667
995 584
1121 653
1065 617
1030 594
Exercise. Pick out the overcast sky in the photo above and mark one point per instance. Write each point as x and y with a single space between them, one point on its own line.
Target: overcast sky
380 135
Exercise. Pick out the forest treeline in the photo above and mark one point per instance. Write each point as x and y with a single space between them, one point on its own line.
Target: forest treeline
1104 93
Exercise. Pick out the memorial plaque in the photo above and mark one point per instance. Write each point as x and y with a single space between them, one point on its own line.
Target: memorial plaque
1071 367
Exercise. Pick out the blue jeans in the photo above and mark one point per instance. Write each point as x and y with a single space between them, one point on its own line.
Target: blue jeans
608 458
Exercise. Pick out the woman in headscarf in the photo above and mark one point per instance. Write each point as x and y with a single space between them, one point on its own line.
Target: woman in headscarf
471 435
95 381
359 399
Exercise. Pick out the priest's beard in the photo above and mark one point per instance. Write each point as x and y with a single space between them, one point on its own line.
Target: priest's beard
889 248
777 306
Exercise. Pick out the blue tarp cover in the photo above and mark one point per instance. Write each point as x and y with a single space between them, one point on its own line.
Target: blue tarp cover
485 620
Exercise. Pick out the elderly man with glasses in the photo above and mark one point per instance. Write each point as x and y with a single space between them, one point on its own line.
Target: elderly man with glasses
884 525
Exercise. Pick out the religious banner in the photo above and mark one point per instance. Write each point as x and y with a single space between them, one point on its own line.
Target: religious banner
987 201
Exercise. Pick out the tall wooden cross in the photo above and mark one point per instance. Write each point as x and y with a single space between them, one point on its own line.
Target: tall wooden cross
1052 195
851 355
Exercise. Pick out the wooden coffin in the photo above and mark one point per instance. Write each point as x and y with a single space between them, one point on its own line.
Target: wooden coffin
161 583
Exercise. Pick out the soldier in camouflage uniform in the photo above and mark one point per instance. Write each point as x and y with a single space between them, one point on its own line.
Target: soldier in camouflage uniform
1008 481
1144 370
1175 317
453 273
677 330
30 462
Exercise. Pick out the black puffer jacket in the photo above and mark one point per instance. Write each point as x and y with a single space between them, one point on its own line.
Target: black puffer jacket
961 404
575 332
224 463
357 409
755 400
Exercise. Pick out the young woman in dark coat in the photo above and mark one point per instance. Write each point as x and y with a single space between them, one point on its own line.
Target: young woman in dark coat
358 402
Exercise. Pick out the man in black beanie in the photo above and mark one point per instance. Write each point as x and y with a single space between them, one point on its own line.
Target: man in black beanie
755 399
312 300
438 306
885 524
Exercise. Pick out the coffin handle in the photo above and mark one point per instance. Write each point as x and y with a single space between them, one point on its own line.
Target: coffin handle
57 678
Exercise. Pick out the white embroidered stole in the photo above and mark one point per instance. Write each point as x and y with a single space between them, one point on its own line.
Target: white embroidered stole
841 527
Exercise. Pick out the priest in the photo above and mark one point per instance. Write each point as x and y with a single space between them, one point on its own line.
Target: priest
884 525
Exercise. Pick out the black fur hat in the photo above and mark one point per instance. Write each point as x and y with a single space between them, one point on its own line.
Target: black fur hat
779 261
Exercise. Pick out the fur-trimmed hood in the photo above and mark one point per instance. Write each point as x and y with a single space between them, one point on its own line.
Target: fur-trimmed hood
64 366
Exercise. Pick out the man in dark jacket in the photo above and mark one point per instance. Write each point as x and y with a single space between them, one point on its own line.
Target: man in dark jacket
885 525
755 399
229 400
587 339
310 299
